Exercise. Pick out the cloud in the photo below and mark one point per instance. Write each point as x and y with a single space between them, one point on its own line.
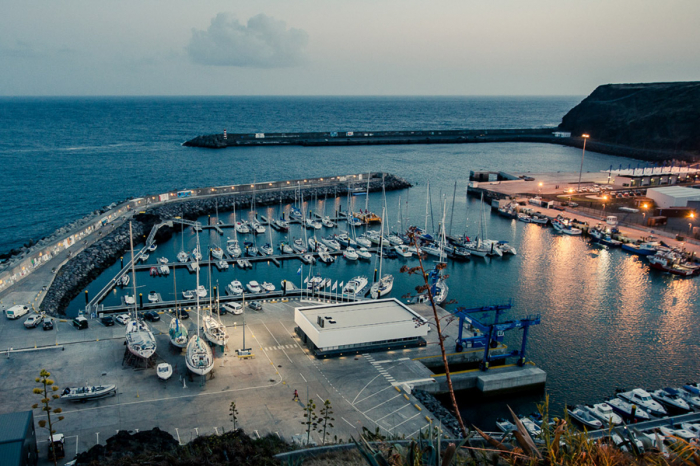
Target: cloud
263 43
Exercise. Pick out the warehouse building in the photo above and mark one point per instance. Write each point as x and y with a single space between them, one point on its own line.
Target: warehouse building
18 439
359 327
673 196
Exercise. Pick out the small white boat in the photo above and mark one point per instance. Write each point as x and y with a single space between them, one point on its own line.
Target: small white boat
124 281
267 286
584 417
671 398
241 264
331 243
183 257
223 265
153 297
625 409
164 270
299 246
201 291
605 413
350 254
242 228
258 228
324 256
355 286
254 287
532 428
564 225
144 257
88 393
313 244
266 249
642 398
164 371
363 241
129 299
506 248
217 253
505 425
188 294
235 287
363 253
197 254
383 287
233 248
327 222
308 259
285 248
690 398
523 217
395 240
152 247
163 260
402 250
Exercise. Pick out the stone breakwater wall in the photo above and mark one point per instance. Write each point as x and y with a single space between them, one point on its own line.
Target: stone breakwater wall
449 422
82 269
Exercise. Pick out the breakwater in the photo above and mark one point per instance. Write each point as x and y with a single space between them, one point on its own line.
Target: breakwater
79 271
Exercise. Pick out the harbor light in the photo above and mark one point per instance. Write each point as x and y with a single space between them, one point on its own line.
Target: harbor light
580 172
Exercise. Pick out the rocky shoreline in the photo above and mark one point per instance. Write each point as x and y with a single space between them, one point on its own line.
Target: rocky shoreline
82 269
449 422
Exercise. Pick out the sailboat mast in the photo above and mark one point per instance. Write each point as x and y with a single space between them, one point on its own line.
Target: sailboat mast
427 200
369 176
442 230
133 270
197 289
381 245
452 214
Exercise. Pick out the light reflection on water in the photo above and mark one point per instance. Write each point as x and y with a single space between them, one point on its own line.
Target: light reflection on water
608 320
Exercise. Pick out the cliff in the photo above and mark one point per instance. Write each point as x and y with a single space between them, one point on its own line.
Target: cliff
653 116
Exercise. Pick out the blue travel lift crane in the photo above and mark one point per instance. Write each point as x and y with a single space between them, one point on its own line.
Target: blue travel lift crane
491 334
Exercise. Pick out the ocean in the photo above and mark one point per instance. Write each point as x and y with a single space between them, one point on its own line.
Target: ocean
608 321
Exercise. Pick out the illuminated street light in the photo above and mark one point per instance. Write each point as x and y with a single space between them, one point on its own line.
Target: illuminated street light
585 138
539 190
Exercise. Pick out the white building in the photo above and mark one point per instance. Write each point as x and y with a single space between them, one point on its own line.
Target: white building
335 329
673 196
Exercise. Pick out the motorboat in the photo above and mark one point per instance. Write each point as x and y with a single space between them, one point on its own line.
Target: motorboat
201 291
241 263
153 297
350 254
506 248
584 417
233 248
605 413
356 286
331 243
266 249
531 426
285 248
363 253
459 254
327 222
431 249
144 257
267 286
402 250
313 244
164 371
691 427
235 287
217 253
129 299
477 248
152 247
363 241
242 228
692 399
214 330
564 225
183 257
625 409
670 398
395 240
246 263
299 246
309 224
308 259
88 393
188 294
251 250
164 270
177 333
254 287
672 262
610 242
539 219
642 398
325 257
295 212
163 260
505 425
154 272
523 217
345 240
222 264
684 434
317 283
641 249
197 254
258 228
124 281
383 287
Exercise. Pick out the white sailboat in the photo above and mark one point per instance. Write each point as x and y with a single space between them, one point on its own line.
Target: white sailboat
199 358
214 329
182 256
382 287
139 338
177 331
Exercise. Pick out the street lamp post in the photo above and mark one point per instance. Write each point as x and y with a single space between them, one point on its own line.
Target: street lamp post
585 138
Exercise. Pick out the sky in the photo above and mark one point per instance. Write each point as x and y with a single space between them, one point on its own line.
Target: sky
340 47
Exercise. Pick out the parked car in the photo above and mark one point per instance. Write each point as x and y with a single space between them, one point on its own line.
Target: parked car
255 305
107 320
122 318
573 204
48 324
152 316
232 308
184 315
80 322
33 320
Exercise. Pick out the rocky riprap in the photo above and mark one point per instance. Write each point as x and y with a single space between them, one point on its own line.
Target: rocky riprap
75 275
449 422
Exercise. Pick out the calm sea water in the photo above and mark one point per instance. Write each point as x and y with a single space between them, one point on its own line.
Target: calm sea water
608 321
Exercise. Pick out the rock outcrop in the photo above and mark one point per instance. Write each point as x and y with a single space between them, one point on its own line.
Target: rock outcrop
654 116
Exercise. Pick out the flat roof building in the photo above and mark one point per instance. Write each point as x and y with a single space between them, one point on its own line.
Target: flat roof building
376 325
673 196
18 439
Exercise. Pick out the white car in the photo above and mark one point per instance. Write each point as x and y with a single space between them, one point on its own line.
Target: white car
233 308
33 320
122 318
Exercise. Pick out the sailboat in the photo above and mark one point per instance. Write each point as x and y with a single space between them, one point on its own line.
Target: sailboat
214 329
139 338
177 331
386 283
182 256
232 244
199 358
216 251
477 247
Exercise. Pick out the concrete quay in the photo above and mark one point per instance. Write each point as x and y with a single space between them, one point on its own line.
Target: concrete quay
370 390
